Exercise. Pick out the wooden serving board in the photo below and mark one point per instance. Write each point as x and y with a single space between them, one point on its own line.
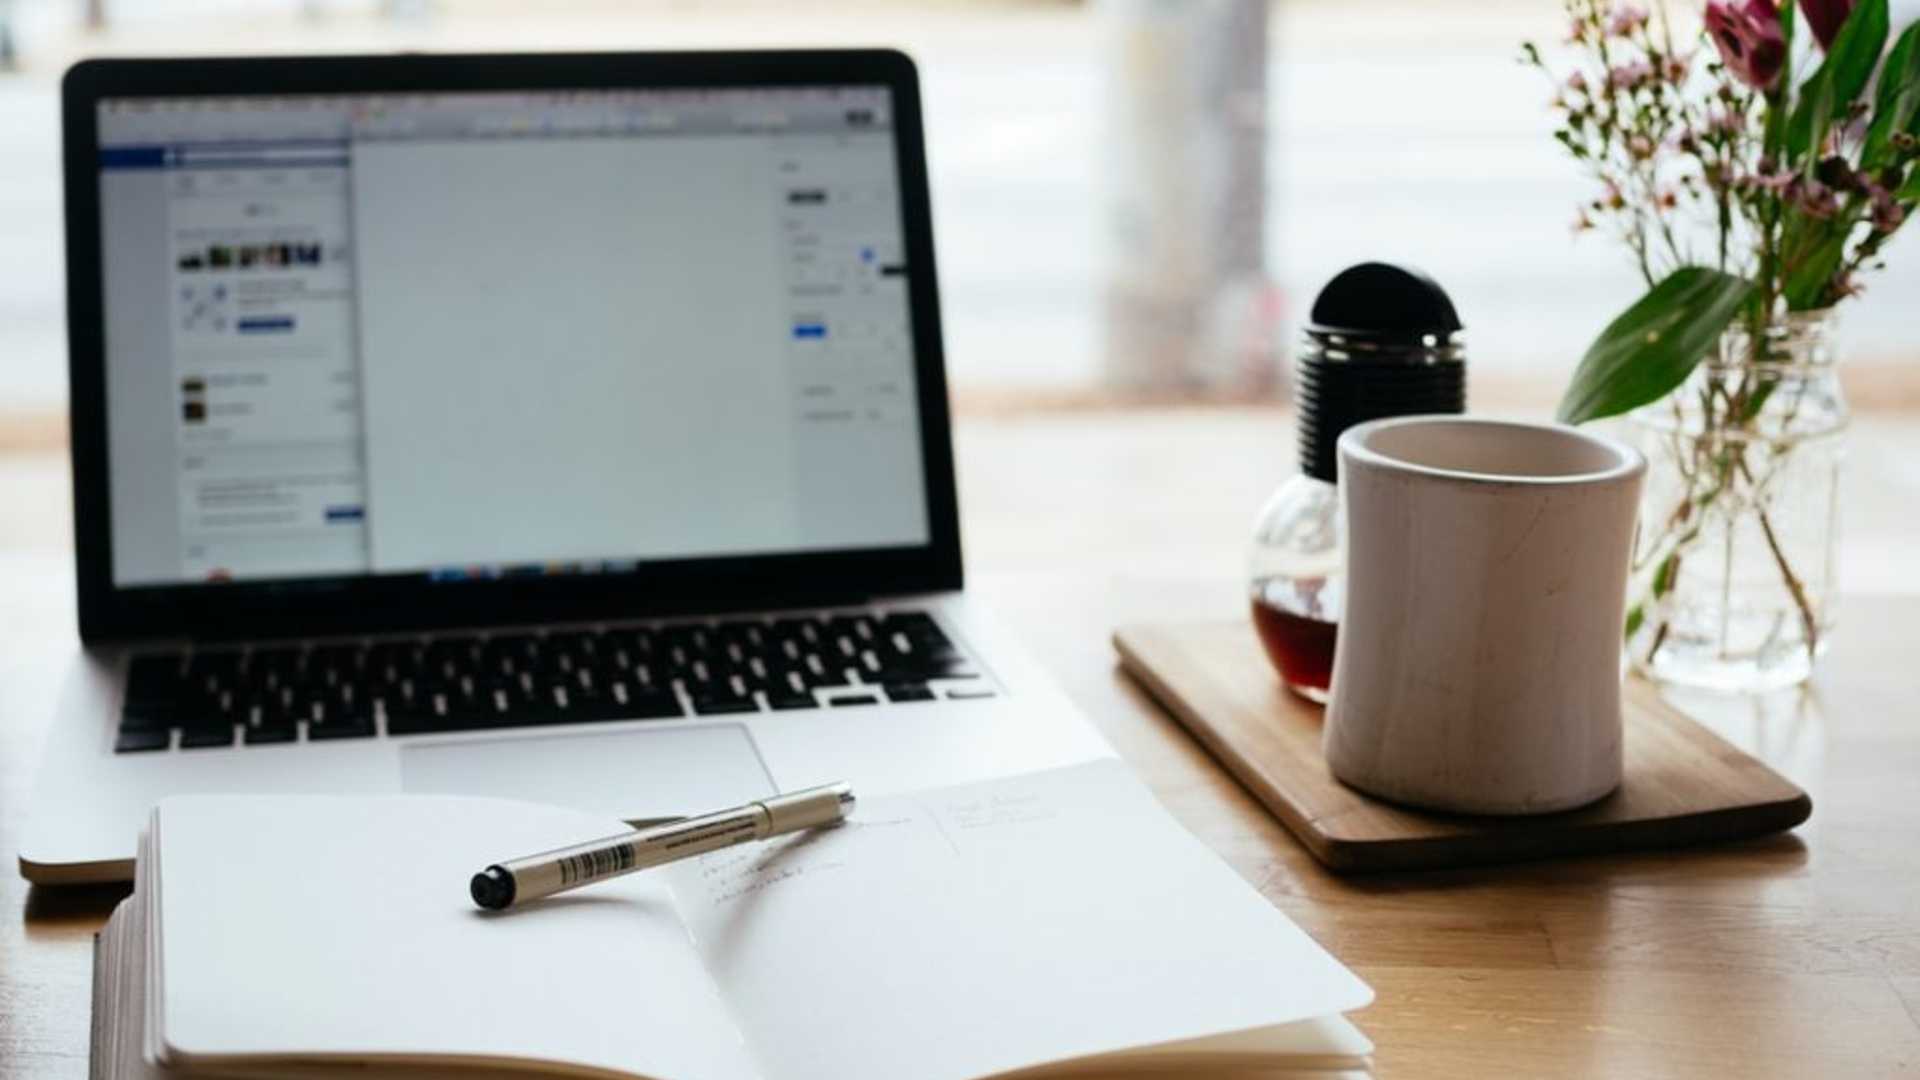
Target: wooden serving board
1684 784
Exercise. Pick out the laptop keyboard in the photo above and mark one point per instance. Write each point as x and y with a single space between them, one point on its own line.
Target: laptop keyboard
461 682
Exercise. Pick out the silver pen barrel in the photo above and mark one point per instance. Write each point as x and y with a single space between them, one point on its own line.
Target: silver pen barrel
517 881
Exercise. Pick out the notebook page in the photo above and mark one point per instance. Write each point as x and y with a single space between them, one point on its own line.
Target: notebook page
310 925
992 927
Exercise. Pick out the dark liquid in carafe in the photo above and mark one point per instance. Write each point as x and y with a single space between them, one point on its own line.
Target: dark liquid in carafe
1301 648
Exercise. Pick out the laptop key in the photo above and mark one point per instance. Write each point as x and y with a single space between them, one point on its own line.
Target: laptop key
785 701
917 626
708 704
262 734
346 727
649 704
856 699
146 718
134 742
410 720
909 692
205 737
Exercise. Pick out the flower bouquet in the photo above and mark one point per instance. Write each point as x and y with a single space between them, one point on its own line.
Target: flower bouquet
1753 176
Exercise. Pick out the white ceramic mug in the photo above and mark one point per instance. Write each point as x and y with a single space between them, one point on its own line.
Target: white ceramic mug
1478 665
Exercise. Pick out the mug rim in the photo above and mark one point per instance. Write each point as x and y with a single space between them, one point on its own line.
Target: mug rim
1353 446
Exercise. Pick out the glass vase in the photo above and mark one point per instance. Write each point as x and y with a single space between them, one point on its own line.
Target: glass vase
1735 559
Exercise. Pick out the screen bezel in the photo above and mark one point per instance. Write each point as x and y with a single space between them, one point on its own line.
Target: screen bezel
300 607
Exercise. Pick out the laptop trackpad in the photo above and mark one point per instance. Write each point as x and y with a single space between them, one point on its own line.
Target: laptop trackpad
622 774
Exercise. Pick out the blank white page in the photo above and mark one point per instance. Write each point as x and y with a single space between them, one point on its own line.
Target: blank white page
996 926
309 925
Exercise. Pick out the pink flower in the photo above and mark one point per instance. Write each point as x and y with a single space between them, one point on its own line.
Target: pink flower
1816 199
1577 81
1629 76
1626 19
1844 133
1887 215
1749 40
1826 17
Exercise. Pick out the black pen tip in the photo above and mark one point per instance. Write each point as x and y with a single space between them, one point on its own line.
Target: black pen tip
492 888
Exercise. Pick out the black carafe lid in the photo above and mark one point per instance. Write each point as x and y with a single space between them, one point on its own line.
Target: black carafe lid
1383 342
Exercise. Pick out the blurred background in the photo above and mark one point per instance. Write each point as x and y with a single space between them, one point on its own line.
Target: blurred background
1134 198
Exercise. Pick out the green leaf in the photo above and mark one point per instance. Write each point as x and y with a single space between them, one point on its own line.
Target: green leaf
1653 346
1806 285
1896 100
1910 191
1776 131
1816 110
1664 574
1841 76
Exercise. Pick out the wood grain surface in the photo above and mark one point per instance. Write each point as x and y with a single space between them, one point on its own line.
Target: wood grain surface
1794 955
1684 784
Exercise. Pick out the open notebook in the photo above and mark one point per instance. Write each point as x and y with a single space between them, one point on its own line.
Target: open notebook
1058 923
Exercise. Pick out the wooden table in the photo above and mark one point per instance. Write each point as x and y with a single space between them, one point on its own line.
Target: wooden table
1794 956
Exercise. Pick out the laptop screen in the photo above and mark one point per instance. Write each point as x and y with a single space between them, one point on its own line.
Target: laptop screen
476 335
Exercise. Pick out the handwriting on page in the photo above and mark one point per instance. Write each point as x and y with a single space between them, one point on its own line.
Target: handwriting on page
1000 810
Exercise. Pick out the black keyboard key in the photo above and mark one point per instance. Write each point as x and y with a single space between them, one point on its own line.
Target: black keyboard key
436 716
724 702
198 738
917 627
818 672
657 704
147 718
411 720
418 708
806 633
909 692
262 735
509 655
577 643
390 662
153 680
134 742
857 699
208 708
338 716
640 642
787 700
346 727
277 705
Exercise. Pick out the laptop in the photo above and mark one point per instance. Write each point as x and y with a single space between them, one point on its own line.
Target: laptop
564 428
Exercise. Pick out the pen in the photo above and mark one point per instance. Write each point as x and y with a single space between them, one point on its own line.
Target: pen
515 881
